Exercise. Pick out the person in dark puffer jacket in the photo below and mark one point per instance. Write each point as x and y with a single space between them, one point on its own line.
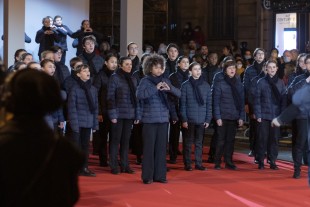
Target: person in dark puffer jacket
123 112
155 109
101 81
270 100
173 53
177 78
89 55
300 123
196 114
83 112
228 111
251 72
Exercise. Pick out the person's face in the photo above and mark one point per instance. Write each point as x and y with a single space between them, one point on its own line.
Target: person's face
272 69
127 66
239 64
84 74
192 45
133 50
111 63
86 25
51 22
184 64
173 53
204 50
157 70
274 54
104 46
231 71
20 55
260 56
57 56
28 59
225 51
49 68
50 56
89 46
213 58
58 21
46 22
301 62
307 62
196 71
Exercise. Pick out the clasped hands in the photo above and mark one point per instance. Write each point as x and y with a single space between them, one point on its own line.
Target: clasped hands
163 86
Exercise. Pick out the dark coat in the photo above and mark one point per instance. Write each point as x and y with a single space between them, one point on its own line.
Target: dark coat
61 72
223 100
79 35
190 110
63 32
46 41
209 72
97 60
153 110
24 145
170 67
119 99
78 110
265 106
250 73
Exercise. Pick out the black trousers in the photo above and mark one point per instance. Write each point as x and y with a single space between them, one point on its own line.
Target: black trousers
174 140
194 136
136 140
100 140
81 139
267 140
213 140
299 140
225 141
253 133
119 141
154 151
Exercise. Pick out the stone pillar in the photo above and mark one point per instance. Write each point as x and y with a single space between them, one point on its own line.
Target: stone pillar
131 25
14 29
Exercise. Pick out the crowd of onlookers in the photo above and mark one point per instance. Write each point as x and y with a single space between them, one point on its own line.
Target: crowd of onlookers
131 102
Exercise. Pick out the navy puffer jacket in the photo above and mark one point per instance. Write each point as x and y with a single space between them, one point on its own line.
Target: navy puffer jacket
118 98
265 106
152 108
190 110
223 101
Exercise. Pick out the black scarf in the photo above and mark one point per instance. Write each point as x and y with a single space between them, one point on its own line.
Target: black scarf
258 66
184 74
195 84
272 82
107 71
261 75
232 82
58 73
86 86
307 73
155 81
89 58
131 86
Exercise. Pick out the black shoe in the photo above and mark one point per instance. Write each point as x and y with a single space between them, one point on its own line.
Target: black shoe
147 181
161 181
128 170
256 161
168 169
87 172
230 166
273 166
296 174
172 161
200 167
251 153
261 165
138 160
188 168
217 166
115 171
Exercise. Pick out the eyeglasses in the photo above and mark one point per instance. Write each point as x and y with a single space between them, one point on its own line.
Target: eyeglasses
134 48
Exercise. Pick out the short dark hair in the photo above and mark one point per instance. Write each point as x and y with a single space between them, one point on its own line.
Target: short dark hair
172 45
79 68
256 51
89 37
151 61
193 64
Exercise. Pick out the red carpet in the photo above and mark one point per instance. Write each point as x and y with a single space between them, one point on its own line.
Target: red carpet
246 186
